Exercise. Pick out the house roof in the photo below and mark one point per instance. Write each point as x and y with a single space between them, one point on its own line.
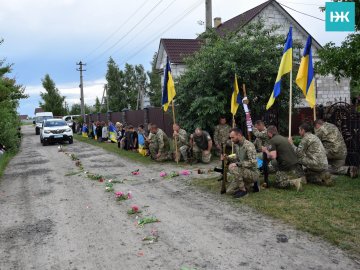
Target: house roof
242 19
178 49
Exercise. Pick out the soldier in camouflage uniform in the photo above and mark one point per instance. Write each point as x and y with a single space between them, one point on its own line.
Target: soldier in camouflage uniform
312 156
221 134
201 145
260 132
288 170
182 142
335 147
159 144
243 166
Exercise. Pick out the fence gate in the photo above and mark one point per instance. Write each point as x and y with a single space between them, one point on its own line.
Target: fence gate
345 117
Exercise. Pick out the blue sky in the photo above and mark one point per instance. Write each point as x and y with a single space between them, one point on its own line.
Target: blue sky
47 36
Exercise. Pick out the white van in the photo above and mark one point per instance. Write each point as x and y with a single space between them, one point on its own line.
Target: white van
39 118
70 119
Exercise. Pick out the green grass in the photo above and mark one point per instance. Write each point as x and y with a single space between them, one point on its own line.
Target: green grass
4 161
332 213
112 147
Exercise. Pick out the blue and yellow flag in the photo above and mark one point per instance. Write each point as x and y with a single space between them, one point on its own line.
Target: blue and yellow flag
85 131
236 97
305 77
112 132
168 93
285 67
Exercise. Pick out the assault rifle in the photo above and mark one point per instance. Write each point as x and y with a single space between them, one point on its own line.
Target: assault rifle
224 169
266 169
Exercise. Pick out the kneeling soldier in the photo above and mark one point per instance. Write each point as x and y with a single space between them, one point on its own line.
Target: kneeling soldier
243 166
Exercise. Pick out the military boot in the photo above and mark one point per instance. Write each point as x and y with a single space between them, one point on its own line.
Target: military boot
353 172
326 179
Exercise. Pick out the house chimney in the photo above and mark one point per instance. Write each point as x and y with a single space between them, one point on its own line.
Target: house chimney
217 22
208 14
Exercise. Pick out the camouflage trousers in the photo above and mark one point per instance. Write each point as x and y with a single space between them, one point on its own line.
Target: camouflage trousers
283 179
337 166
154 150
318 177
243 177
199 155
313 165
182 153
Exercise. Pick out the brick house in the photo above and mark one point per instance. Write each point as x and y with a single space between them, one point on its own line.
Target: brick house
271 13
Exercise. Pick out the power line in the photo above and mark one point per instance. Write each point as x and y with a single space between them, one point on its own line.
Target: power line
302 12
118 41
187 12
305 4
147 25
117 30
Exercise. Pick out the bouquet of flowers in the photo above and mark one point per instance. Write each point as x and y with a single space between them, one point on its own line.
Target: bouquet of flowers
146 220
121 196
109 187
94 176
134 210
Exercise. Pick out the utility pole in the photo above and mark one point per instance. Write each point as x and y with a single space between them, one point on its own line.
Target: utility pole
81 64
208 14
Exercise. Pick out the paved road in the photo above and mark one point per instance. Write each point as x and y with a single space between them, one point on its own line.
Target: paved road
52 221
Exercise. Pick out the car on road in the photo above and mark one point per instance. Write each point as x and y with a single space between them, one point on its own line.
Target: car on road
39 118
55 130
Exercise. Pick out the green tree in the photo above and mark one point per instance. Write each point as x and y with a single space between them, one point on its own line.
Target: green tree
52 100
204 90
97 105
10 94
123 85
154 84
343 61
76 109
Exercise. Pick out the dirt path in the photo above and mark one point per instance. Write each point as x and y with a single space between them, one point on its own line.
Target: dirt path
52 221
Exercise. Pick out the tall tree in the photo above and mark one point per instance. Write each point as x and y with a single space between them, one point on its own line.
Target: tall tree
115 87
205 89
10 94
154 84
53 101
97 105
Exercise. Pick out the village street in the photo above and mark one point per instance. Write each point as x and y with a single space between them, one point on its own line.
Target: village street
52 221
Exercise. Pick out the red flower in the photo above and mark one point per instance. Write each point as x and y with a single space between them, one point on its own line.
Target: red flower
135 208
101 180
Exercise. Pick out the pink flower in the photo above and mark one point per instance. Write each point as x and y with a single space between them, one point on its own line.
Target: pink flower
135 208
185 172
129 195
119 194
163 174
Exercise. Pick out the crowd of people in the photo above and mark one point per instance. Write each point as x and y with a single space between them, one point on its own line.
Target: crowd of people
315 159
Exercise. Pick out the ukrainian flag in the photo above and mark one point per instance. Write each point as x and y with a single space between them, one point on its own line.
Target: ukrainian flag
305 77
236 97
85 131
168 93
285 67
112 132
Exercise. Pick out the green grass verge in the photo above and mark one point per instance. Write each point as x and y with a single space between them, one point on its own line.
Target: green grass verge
4 161
332 213
112 147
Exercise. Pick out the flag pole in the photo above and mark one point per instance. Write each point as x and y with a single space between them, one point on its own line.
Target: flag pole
244 92
233 126
290 104
176 148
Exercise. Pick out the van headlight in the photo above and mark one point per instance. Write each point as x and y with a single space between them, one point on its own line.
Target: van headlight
47 131
68 130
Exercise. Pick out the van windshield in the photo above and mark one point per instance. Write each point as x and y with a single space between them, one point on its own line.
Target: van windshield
39 119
